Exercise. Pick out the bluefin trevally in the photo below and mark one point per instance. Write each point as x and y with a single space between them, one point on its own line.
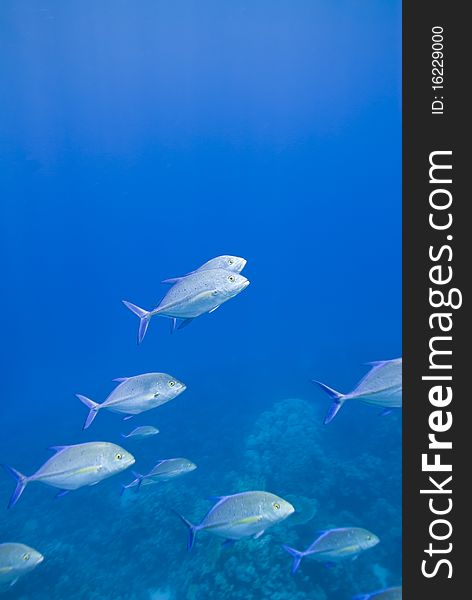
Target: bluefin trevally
334 545
164 470
235 264
73 467
382 386
16 560
135 395
142 432
199 293
241 515
393 593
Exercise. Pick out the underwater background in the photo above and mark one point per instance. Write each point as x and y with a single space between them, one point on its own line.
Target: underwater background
139 139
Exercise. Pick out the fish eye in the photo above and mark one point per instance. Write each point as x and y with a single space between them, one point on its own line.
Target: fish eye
156 394
26 556
369 537
276 505
118 456
231 278
171 383
215 292
231 261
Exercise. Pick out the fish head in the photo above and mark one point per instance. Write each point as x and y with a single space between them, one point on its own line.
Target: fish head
189 466
233 263
230 285
24 559
116 459
168 387
227 262
367 539
276 508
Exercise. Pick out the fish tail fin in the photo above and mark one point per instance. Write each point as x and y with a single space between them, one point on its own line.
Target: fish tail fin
337 398
94 408
125 487
139 478
144 318
21 482
192 531
297 557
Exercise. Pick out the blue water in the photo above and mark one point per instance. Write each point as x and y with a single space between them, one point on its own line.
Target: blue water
139 139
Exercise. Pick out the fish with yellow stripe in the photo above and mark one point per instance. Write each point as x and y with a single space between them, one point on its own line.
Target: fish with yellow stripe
73 467
241 515
334 545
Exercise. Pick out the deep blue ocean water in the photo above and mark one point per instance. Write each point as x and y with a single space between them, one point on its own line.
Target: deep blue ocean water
138 139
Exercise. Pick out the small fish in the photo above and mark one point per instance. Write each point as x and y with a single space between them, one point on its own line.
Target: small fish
382 386
197 294
394 593
241 515
73 467
235 264
135 395
15 561
139 433
163 471
335 545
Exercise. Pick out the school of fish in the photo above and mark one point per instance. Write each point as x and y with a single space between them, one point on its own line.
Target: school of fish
233 517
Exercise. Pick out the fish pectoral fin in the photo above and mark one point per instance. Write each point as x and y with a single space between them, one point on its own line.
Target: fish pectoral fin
248 520
166 307
213 309
5 570
244 521
258 534
346 551
13 582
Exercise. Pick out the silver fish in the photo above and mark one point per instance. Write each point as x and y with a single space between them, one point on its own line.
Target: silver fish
135 395
235 264
382 386
163 471
73 467
335 545
199 293
241 515
16 560
394 593
139 433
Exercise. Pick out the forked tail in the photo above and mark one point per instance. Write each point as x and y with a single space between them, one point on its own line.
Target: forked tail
297 557
337 398
94 408
21 482
144 318
192 531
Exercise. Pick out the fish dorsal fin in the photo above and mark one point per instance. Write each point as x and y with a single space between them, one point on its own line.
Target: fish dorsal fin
173 280
158 464
121 379
376 363
57 448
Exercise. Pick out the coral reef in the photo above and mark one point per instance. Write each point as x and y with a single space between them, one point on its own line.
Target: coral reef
104 546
